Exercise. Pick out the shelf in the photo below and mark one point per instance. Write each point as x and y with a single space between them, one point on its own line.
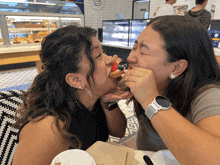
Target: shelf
112 32
136 32
28 29
115 39
20 48
116 46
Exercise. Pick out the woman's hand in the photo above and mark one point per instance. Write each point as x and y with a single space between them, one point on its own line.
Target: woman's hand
142 84
115 95
116 59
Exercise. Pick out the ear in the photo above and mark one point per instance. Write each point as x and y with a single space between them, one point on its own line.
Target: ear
179 67
75 80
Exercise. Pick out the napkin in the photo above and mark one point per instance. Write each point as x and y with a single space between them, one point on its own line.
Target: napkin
73 157
162 157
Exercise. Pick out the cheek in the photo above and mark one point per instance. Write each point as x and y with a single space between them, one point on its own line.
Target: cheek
100 75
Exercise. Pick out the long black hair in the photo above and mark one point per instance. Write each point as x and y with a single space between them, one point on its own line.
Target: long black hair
186 39
49 94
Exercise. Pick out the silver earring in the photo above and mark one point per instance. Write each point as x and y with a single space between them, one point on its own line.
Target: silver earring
172 76
71 85
80 87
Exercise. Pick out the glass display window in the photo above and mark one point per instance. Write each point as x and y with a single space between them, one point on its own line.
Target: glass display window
122 32
28 21
116 32
70 21
136 27
30 29
26 6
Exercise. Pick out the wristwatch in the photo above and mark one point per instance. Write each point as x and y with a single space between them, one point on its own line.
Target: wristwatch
110 105
159 103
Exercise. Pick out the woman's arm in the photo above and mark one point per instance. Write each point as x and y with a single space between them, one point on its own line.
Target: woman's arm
116 122
39 143
116 119
190 144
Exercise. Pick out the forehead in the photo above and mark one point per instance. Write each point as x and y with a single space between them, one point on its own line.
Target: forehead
95 43
150 36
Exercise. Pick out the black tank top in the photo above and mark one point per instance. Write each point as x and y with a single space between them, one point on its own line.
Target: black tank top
88 126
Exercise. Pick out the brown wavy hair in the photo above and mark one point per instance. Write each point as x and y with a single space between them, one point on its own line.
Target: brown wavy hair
49 93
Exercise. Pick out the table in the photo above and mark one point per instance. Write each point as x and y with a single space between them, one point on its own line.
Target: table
110 153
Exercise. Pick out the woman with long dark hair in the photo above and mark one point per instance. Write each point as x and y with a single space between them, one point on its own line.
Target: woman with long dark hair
175 80
67 105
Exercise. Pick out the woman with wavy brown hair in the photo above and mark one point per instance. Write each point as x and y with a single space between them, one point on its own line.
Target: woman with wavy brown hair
67 105
175 80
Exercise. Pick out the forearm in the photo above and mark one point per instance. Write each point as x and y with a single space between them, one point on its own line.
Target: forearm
116 122
187 142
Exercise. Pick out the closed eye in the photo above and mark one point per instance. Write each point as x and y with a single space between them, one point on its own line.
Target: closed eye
99 55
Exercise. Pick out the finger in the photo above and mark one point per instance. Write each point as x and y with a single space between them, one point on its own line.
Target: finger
114 58
118 60
143 70
136 73
130 79
112 96
127 95
131 85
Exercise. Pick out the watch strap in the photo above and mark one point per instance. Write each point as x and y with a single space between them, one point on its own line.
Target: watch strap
150 111
111 105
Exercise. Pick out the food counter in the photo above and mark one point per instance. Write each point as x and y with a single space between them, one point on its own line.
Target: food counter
23 25
28 53
21 54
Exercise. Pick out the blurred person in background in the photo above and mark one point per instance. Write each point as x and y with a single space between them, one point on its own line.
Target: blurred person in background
200 13
166 9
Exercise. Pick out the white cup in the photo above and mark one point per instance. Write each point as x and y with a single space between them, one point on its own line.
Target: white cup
73 157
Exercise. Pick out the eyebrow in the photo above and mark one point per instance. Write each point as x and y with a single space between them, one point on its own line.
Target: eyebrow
96 47
143 45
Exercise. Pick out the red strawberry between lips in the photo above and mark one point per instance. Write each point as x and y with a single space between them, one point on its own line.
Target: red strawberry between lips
114 66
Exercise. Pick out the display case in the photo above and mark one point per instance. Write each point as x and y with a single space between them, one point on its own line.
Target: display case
40 6
29 22
136 27
122 32
116 32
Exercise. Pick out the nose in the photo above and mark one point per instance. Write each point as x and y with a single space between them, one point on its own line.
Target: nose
108 60
132 58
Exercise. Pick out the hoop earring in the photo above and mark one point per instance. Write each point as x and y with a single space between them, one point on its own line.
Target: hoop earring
172 76
88 92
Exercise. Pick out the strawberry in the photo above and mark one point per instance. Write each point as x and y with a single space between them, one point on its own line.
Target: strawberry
114 66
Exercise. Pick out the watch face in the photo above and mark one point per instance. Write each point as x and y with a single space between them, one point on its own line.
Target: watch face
164 102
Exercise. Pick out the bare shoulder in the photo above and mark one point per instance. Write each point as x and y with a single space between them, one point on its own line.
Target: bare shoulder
39 142
46 124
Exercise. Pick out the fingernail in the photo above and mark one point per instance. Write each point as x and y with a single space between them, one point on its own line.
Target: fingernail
122 75
125 71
